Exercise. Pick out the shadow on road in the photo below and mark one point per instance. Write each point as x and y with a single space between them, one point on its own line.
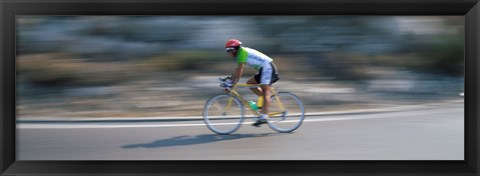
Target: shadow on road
192 140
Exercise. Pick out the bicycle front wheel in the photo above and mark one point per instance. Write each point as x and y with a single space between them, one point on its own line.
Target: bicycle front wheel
223 114
287 112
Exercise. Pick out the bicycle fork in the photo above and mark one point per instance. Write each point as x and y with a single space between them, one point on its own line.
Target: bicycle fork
282 111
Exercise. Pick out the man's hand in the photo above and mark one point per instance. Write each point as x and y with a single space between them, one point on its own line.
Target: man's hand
227 79
227 84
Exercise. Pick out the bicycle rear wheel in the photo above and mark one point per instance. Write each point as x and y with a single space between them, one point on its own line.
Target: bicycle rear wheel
287 114
223 114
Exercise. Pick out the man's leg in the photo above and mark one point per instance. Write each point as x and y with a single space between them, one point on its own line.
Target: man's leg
255 90
266 102
265 78
266 98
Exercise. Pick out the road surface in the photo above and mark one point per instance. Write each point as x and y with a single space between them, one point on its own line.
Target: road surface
431 132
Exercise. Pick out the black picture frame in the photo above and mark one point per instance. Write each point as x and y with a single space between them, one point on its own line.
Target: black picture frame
10 8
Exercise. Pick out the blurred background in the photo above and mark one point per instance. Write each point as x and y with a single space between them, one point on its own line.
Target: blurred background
145 66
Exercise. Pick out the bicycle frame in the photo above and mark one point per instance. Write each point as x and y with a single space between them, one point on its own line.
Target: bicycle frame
233 93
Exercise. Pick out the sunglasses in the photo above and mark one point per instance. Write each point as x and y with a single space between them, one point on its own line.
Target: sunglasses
229 49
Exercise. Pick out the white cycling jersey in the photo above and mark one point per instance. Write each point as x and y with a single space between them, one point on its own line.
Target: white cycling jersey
253 58
259 61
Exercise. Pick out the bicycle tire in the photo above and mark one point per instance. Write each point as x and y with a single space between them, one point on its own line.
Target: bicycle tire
295 113
220 121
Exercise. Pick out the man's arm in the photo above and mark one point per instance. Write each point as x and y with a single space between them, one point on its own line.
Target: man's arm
238 73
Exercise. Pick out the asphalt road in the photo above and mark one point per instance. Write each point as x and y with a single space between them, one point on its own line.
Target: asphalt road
432 132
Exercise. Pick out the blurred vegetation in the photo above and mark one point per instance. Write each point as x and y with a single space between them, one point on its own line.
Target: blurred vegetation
447 56
183 60
61 68
111 49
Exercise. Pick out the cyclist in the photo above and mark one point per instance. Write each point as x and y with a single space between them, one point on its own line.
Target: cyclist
266 76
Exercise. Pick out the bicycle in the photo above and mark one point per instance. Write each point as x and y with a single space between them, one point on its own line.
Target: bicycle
225 113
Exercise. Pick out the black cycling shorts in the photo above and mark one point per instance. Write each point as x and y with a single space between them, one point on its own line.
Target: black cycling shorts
274 74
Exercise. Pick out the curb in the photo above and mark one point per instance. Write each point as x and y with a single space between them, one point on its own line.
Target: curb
197 118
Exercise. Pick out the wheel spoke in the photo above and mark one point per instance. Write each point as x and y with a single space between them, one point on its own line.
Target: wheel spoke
291 113
223 114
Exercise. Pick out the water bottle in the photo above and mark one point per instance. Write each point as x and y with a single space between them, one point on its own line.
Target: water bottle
253 105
